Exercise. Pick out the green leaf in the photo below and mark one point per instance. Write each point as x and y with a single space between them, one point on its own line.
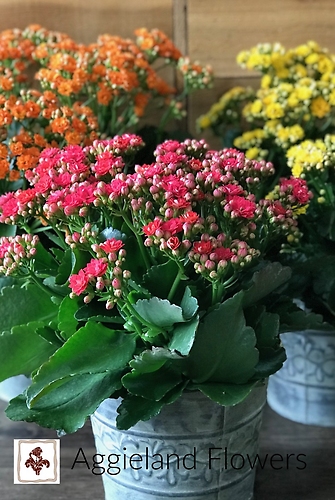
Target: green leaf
189 304
154 373
8 281
183 336
159 279
49 334
44 263
92 349
61 290
271 360
20 306
153 385
224 347
67 323
67 408
22 350
133 408
152 359
79 260
159 312
226 394
96 311
56 239
265 281
265 324
65 268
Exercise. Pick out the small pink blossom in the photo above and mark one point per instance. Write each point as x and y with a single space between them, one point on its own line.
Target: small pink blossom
203 247
79 282
242 207
173 226
96 267
111 245
152 227
173 243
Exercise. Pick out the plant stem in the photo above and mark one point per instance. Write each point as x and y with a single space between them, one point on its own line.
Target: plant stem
40 285
175 284
214 293
139 240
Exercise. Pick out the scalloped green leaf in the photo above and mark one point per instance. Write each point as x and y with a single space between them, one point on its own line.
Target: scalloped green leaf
65 268
153 385
159 279
152 359
183 336
26 304
67 322
265 281
91 349
134 408
159 312
67 408
23 350
189 304
224 347
226 394
270 361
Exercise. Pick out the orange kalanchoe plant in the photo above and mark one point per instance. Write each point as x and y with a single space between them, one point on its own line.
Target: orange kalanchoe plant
56 92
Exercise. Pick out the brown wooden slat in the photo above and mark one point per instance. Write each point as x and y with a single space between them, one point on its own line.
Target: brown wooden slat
84 20
219 29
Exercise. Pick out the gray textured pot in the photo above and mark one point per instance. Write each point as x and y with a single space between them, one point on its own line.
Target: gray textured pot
304 389
189 429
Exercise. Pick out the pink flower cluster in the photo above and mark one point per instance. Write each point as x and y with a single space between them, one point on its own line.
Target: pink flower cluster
103 273
16 252
190 204
65 180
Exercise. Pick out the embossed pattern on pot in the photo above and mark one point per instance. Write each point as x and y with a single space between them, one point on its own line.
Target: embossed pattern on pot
194 449
304 389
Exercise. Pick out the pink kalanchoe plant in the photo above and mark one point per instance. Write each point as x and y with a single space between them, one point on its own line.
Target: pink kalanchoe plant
146 279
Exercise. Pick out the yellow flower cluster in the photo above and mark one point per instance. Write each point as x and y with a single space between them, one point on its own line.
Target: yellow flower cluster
306 156
227 109
294 102
279 63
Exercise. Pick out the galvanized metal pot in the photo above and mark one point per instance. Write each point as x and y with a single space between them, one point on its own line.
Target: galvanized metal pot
194 449
304 389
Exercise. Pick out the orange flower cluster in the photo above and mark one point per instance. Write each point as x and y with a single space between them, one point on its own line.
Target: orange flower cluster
85 91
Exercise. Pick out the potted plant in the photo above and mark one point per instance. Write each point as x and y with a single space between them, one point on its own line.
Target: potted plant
294 102
142 302
290 120
55 92
304 389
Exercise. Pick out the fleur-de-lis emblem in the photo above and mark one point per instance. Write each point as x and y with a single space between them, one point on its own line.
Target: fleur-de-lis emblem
36 461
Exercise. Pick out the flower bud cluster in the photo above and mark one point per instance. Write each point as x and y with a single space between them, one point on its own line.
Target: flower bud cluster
84 238
196 76
215 258
104 275
16 252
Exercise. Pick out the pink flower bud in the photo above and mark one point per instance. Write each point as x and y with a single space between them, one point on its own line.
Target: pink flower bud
116 283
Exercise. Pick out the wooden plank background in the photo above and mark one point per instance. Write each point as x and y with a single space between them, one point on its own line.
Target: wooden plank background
217 30
84 20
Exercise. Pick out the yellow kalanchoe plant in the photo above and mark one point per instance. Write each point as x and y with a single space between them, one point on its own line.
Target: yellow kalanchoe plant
290 121
295 101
